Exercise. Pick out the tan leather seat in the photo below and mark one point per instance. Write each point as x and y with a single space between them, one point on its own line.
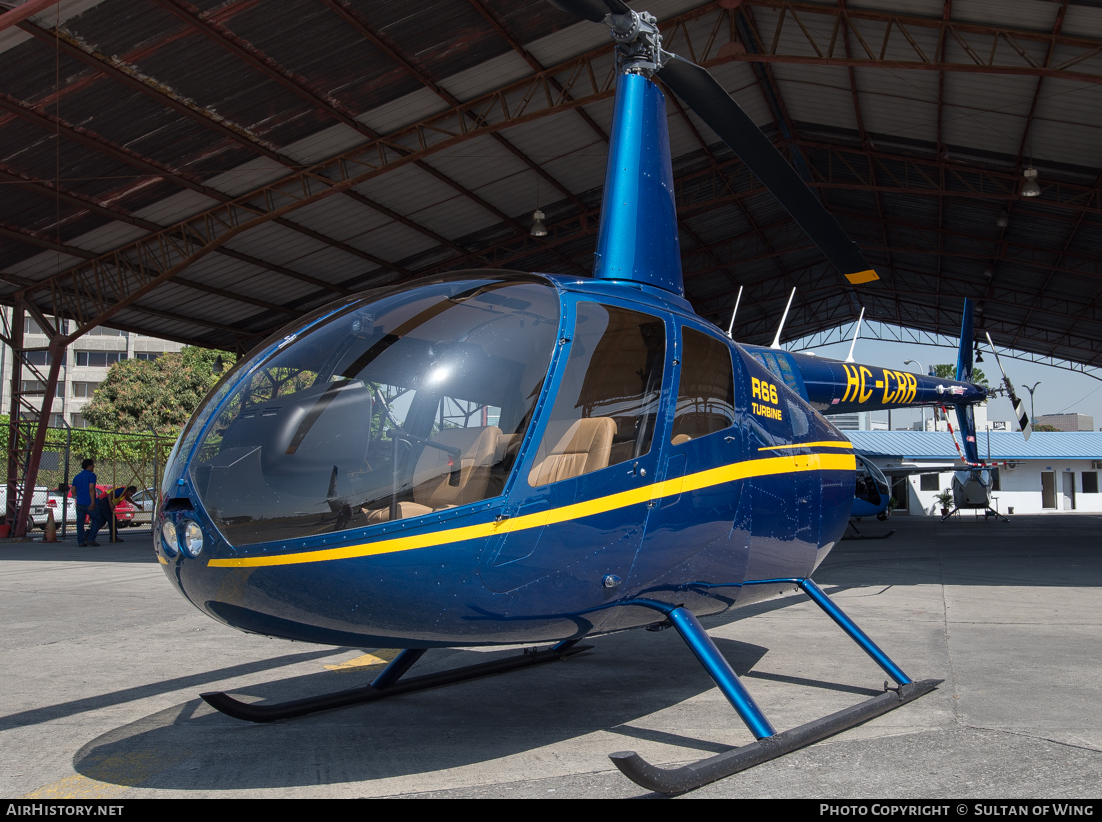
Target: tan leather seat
680 438
583 447
433 478
405 511
507 447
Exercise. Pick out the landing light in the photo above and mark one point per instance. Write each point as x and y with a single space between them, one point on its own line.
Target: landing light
169 540
193 539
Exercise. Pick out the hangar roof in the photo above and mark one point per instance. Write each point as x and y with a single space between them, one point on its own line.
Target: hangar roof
207 170
917 445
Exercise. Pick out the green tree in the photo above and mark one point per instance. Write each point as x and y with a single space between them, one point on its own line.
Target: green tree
1045 427
949 371
160 394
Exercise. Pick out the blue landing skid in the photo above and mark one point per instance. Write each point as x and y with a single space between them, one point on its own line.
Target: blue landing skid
387 684
770 744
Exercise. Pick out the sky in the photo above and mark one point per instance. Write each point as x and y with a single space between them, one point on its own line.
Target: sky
1060 391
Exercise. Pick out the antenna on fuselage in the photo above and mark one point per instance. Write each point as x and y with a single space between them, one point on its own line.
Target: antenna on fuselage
856 331
731 327
780 328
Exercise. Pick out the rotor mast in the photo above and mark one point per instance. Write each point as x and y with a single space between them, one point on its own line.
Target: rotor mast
637 240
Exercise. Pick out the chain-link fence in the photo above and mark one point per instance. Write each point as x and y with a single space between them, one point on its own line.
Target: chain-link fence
121 460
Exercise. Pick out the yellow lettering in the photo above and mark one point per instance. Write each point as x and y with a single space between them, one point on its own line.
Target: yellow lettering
887 384
755 388
772 393
864 395
912 385
851 383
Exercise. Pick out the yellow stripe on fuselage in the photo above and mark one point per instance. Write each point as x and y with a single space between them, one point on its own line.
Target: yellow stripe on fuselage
826 444
600 505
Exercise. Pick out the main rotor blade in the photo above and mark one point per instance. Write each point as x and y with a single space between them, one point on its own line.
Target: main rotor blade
706 97
592 10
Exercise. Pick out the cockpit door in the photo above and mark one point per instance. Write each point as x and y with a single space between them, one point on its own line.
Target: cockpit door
580 498
697 534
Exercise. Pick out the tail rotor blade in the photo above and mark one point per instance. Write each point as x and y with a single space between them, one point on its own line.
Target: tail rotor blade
706 97
1019 406
592 10
1023 418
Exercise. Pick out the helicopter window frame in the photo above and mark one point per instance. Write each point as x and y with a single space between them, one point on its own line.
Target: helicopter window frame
537 448
733 415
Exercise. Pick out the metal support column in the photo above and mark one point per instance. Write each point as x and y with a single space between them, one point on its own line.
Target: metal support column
41 425
15 341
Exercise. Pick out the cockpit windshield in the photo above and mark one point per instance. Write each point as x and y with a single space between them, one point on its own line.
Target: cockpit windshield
389 409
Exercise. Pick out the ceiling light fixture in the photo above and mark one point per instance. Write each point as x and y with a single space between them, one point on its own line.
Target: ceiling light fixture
1030 189
1003 220
538 228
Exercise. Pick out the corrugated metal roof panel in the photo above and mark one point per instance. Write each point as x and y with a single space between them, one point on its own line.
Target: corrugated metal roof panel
1082 20
1004 445
1010 13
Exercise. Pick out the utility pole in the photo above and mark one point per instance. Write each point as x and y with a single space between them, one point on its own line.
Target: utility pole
1032 412
921 410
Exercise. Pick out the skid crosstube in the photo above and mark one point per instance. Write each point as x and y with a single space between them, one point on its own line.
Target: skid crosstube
385 685
689 777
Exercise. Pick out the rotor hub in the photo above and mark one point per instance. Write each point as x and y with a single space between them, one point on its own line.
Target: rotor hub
638 42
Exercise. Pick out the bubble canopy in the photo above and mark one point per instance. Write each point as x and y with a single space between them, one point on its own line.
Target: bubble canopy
397 404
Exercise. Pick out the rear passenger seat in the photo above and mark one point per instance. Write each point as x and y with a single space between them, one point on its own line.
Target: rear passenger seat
584 447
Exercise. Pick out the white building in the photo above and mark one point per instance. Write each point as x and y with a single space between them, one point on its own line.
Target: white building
1052 473
86 363
1067 422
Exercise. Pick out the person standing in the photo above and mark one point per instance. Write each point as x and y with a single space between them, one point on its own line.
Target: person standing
84 490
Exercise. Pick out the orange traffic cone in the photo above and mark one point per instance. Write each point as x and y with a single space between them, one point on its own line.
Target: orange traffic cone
51 527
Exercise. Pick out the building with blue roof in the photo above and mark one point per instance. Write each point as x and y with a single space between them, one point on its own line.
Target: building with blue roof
1054 472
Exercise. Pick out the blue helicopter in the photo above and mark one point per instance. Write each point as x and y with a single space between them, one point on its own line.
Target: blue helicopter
499 458
972 486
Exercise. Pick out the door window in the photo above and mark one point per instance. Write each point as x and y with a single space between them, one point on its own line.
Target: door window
608 400
706 391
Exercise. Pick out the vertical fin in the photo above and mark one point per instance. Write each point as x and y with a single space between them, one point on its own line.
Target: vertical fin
964 352
967 421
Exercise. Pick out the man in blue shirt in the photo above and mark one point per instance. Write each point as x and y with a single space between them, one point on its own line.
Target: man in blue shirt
84 489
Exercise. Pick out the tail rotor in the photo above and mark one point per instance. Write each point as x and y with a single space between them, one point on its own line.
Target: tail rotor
1019 406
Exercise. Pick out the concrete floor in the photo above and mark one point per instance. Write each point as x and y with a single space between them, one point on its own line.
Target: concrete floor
103 663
